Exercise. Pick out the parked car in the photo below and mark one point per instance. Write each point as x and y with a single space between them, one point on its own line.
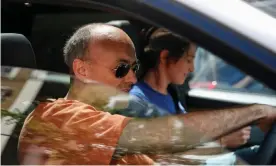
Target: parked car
235 37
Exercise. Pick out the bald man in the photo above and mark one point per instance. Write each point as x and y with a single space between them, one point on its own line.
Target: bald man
76 130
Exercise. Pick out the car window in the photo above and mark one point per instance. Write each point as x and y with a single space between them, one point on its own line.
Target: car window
27 86
211 72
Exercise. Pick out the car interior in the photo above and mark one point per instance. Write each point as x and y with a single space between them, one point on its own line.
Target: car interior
39 31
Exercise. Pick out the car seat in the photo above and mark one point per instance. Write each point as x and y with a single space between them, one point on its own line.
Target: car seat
16 51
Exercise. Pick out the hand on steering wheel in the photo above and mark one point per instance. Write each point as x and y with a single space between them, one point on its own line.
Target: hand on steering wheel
267 150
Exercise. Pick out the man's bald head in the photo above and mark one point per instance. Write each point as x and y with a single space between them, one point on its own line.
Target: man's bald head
95 51
97 35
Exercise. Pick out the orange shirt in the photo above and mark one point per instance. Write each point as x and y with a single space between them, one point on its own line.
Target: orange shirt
67 132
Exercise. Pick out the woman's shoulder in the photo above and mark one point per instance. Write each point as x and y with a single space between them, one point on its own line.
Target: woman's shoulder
138 91
137 88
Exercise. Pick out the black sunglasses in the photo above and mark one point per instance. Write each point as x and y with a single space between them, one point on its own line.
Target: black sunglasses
123 68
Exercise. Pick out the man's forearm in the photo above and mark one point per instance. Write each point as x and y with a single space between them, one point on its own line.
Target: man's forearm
179 133
216 123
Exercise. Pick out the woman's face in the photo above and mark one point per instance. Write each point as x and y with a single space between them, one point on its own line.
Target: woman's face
178 70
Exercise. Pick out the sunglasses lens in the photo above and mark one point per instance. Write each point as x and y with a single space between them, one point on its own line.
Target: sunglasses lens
122 70
135 68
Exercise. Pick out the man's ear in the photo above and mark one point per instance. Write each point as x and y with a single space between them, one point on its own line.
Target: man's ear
164 56
79 69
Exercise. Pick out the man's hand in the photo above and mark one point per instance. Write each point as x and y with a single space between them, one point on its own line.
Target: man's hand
266 123
237 138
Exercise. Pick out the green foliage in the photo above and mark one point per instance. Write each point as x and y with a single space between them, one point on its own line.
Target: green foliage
12 116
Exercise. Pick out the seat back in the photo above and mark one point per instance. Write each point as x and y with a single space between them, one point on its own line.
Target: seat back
17 51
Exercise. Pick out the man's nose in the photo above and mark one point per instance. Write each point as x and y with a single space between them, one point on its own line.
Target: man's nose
131 77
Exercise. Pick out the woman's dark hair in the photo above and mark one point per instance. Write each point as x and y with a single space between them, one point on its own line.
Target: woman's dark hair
157 40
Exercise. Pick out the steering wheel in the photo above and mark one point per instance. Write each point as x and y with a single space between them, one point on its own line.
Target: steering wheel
267 150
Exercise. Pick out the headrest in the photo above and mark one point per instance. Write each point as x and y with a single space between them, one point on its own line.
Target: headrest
119 23
131 30
17 51
127 27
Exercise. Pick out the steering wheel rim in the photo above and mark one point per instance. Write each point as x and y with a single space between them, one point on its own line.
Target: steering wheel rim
267 149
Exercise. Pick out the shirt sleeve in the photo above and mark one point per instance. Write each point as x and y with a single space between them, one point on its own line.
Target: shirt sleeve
137 92
71 133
